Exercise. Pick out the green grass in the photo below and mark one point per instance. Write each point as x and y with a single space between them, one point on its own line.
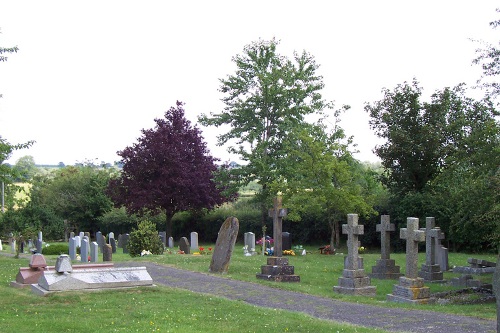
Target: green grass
164 309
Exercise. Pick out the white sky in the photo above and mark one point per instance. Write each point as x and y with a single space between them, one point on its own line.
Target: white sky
91 74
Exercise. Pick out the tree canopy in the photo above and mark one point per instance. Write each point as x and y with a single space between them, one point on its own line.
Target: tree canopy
169 169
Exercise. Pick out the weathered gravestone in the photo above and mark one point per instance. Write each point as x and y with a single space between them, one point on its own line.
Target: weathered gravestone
112 242
171 242
277 268
224 245
286 240
84 251
98 239
163 237
431 271
411 288
107 253
354 280
94 251
125 239
27 276
72 248
496 290
39 243
1 246
78 241
385 267
184 245
194 241
249 238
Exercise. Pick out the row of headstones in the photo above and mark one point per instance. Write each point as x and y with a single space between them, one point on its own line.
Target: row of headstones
411 286
89 251
249 242
37 244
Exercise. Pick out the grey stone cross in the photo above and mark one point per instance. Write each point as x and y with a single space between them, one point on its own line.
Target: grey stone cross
432 237
385 227
277 213
412 235
353 230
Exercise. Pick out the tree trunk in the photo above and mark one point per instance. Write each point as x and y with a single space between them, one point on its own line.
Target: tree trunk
169 226
337 234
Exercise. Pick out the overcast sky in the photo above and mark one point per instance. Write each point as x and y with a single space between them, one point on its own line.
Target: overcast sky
89 75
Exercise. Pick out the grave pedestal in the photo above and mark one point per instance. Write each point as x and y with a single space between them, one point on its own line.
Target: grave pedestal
385 269
431 273
410 291
355 282
277 269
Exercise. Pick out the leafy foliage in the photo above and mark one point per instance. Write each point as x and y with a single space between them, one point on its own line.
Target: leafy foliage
145 237
55 249
169 169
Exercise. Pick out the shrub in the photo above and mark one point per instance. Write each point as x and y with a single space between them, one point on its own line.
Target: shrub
59 248
145 237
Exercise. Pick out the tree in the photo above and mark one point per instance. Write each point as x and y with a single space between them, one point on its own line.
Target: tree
267 97
26 168
169 169
6 50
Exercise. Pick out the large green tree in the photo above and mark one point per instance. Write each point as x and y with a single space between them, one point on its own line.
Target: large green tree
268 97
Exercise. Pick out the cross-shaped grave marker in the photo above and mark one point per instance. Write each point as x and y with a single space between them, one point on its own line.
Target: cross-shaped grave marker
385 227
432 236
277 213
353 230
412 235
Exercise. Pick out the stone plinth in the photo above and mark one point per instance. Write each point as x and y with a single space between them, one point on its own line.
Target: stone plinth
277 269
431 273
410 291
385 269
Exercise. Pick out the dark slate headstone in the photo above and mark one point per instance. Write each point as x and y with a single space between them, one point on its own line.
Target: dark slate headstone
107 253
287 241
496 290
184 245
224 246
120 241
112 242
125 239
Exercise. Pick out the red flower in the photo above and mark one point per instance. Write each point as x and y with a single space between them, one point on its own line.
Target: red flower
209 249
201 248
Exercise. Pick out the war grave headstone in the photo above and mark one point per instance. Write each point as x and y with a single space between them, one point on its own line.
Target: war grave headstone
184 245
224 246
431 271
94 251
65 278
496 289
171 242
286 240
112 242
194 241
107 253
125 240
277 268
411 288
354 280
385 268
84 250
249 238
98 239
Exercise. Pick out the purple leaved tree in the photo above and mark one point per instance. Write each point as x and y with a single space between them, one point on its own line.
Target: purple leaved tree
169 169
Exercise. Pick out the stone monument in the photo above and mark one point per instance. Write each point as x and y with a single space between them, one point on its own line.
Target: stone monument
224 245
431 270
411 288
354 280
385 267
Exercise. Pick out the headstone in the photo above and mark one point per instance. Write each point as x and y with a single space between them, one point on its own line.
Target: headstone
171 242
38 261
1 246
496 289
431 271
63 264
224 246
249 238
39 245
354 280
411 288
125 238
40 236
84 250
72 248
194 241
81 234
386 267
277 268
78 241
94 251
163 237
119 244
13 246
286 241
184 245
112 242
71 235
98 239
27 276
441 252
111 235
107 253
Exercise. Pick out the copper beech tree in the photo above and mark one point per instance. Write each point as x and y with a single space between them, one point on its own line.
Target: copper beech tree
169 169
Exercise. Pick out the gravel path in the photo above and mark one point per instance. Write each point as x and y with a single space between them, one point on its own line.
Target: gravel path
390 319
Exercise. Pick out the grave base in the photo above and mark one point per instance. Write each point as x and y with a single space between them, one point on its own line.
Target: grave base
355 282
385 269
278 270
431 273
410 291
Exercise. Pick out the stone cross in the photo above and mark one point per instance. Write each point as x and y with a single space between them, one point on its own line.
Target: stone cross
412 235
353 230
385 227
438 248
432 235
277 213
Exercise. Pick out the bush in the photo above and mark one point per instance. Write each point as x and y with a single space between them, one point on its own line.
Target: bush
57 249
145 237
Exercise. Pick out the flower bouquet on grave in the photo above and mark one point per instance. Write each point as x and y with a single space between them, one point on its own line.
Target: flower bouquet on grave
288 252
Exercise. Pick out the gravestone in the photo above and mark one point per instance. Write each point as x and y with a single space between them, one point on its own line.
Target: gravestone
441 252
13 246
385 267
163 237
87 234
431 271
286 240
81 234
84 251
78 241
171 242
27 276
224 246
249 238
63 264
112 242
107 253
184 245
496 289
72 248
94 251
119 244
126 238
71 235
39 245
1 246
194 241
111 235
98 239
354 280
411 288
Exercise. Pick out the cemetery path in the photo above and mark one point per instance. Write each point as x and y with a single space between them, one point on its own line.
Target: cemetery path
390 319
